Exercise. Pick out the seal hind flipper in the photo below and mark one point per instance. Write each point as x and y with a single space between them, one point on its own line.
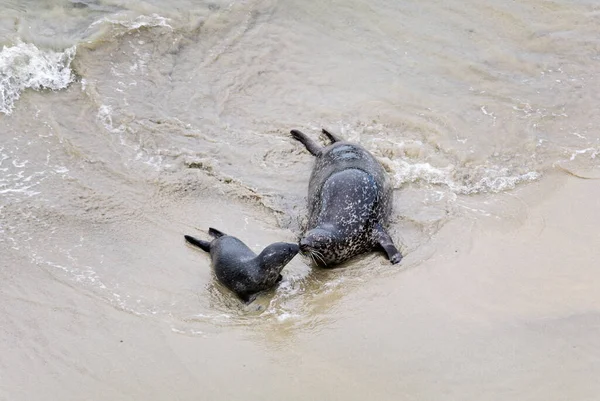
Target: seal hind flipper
384 240
333 138
215 233
204 245
310 145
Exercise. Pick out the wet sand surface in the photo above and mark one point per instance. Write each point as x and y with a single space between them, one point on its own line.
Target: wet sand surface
125 125
500 312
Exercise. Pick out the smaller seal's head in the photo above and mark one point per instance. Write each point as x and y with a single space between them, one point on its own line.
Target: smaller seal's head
318 244
274 257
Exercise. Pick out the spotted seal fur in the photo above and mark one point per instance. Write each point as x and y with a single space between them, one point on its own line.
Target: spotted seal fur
349 203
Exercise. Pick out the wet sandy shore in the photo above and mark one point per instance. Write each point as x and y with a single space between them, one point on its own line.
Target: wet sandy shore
502 310
126 124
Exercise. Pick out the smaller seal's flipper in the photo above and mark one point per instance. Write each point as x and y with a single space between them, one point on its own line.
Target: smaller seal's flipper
310 145
216 233
332 138
385 241
204 245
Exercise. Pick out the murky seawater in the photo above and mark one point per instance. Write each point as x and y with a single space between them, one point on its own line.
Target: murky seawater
126 124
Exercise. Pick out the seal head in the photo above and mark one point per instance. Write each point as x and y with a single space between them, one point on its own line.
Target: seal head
273 258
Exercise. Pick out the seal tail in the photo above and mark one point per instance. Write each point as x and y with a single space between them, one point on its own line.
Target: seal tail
204 245
216 233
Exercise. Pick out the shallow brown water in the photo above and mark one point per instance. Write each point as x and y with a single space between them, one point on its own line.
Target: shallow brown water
149 121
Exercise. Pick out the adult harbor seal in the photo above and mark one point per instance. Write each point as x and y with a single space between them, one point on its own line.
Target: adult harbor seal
349 203
240 269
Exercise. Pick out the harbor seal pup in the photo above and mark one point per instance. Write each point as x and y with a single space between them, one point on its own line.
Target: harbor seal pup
349 203
240 269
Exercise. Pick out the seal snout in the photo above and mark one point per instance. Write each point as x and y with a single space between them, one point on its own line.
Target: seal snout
304 246
294 248
277 255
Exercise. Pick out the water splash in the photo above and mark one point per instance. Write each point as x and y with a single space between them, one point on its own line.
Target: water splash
141 21
479 180
25 66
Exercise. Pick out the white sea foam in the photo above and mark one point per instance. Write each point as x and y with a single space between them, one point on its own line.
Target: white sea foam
153 20
104 116
592 151
187 332
484 179
14 179
282 317
25 66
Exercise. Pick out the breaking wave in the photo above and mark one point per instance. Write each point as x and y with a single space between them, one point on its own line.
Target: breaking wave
25 66
478 180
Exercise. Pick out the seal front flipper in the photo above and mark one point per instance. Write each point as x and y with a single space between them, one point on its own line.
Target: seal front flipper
332 138
215 233
385 241
310 145
204 245
247 298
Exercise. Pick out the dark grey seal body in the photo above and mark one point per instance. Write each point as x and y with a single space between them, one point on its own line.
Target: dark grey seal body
240 269
349 203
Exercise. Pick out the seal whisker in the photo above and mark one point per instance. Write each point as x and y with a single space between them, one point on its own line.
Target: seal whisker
313 258
319 254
